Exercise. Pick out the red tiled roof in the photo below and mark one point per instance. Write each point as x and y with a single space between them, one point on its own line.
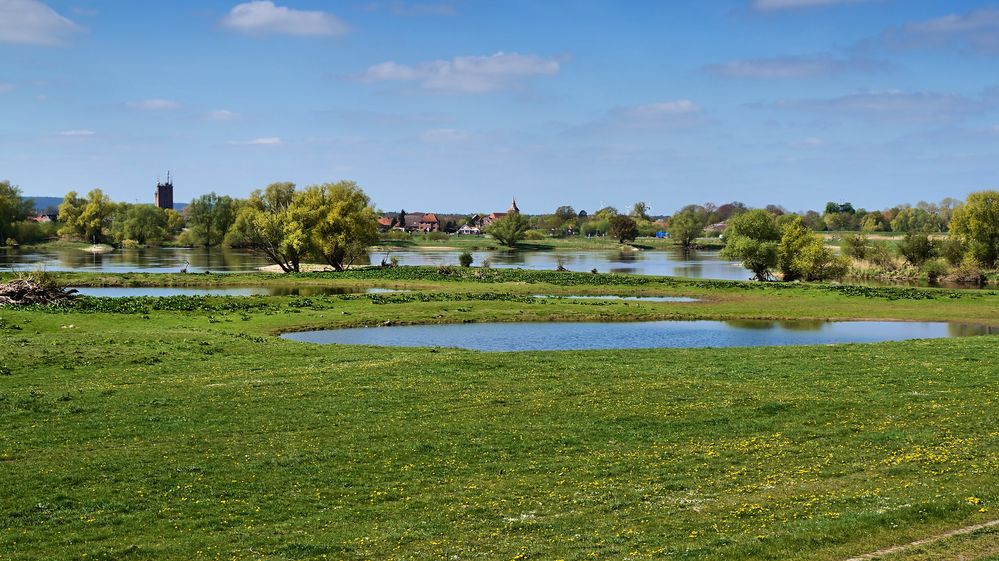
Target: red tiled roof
429 217
385 221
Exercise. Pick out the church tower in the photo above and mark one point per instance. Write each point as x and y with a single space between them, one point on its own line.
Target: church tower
164 193
513 207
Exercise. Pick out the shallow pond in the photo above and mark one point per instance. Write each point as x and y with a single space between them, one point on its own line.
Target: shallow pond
122 292
552 336
681 299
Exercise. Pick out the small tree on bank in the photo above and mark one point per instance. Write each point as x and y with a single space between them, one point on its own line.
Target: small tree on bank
13 209
752 238
685 227
976 225
343 224
623 228
209 217
509 230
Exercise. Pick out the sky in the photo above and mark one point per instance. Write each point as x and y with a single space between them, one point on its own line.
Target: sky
458 106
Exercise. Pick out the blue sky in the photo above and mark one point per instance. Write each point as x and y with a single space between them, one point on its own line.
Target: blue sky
457 106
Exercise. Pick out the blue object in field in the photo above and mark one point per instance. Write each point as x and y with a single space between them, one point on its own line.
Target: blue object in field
660 234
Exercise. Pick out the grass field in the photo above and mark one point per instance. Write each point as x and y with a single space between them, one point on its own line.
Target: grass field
181 428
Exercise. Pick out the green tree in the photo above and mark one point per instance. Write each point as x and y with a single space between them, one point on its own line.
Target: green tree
510 229
343 223
976 224
145 224
268 225
565 213
209 217
623 228
685 227
916 248
88 219
913 220
802 255
13 209
752 238
855 245
640 211
606 212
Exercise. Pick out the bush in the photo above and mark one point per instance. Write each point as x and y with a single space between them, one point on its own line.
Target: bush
34 232
952 250
436 236
881 255
465 259
396 235
968 272
855 246
935 269
11 242
534 235
129 244
916 248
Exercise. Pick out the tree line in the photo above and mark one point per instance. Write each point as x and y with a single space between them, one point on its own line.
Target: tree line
333 223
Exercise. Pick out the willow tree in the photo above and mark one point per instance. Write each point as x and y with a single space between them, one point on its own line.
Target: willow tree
209 217
89 218
510 229
685 227
342 222
13 209
976 224
752 238
269 224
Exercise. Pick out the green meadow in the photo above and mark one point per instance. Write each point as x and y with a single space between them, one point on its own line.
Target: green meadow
184 428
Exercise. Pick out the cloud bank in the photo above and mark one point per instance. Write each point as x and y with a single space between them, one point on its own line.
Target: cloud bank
262 17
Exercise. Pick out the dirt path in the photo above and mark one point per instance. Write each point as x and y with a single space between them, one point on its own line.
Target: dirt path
901 548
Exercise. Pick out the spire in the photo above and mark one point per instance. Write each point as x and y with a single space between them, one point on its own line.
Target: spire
513 206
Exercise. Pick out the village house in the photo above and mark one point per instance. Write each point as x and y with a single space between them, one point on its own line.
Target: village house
483 222
429 223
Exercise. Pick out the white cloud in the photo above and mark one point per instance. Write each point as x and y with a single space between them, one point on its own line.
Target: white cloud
792 4
468 74
76 133
978 29
265 141
792 67
222 115
262 17
5 88
31 22
444 136
153 105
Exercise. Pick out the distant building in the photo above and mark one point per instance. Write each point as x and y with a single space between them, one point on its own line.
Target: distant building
164 193
429 223
485 221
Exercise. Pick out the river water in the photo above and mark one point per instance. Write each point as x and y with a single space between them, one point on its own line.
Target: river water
700 264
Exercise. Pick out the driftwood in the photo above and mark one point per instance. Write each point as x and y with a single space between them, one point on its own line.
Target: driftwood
27 291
